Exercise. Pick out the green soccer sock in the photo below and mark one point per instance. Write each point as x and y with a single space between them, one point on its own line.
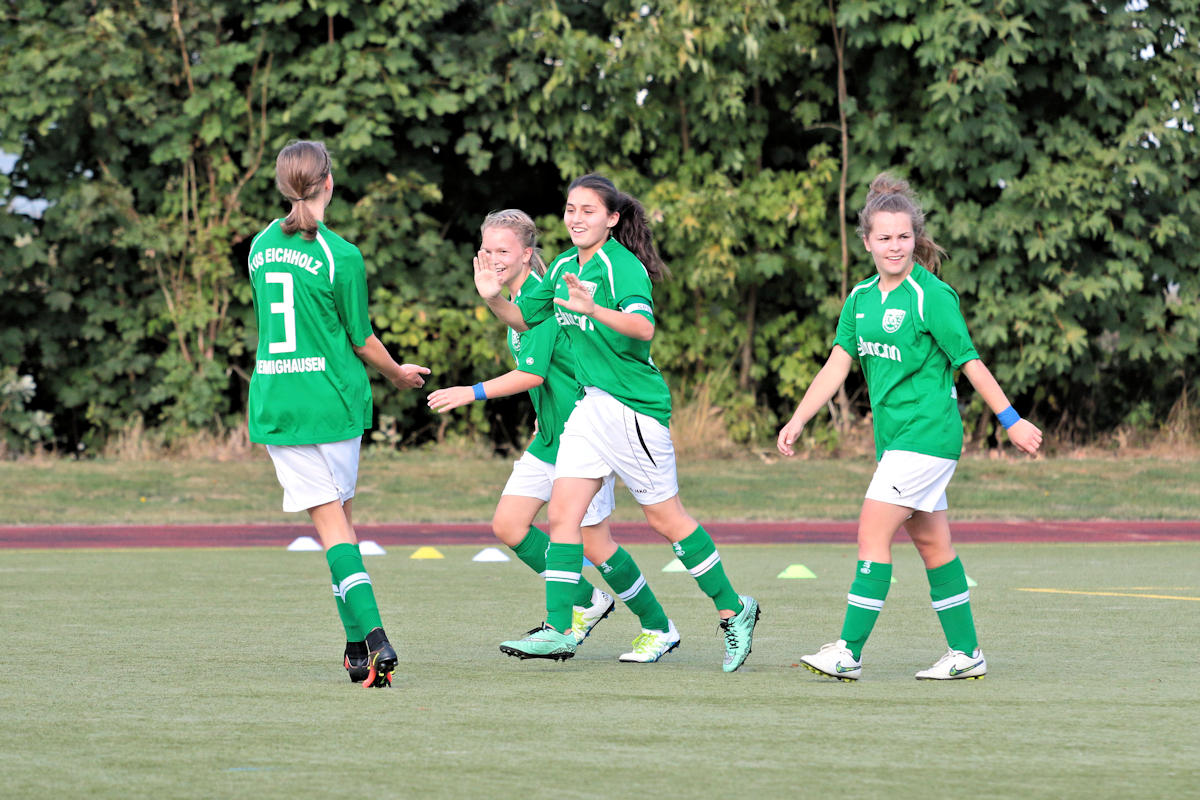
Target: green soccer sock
952 602
698 553
353 632
532 551
354 588
622 574
563 565
872 579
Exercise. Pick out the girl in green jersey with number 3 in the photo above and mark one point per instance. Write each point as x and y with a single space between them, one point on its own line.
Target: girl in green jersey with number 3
905 329
599 292
310 399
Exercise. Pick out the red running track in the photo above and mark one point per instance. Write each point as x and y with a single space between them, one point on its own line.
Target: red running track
76 536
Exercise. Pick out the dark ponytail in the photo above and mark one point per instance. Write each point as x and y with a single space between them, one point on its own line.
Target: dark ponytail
632 229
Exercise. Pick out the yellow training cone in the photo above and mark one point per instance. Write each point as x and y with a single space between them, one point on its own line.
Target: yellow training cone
427 552
796 571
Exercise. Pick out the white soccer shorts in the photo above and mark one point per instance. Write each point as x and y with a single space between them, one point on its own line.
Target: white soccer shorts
532 477
315 474
912 480
604 436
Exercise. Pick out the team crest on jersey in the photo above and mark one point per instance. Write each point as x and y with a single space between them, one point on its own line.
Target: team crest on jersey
893 318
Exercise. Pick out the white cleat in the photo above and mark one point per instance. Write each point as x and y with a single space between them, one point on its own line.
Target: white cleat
650 646
584 618
956 665
834 660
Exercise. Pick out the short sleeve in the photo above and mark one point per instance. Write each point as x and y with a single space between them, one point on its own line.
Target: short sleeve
350 296
537 303
631 282
638 305
537 348
846 336
945 321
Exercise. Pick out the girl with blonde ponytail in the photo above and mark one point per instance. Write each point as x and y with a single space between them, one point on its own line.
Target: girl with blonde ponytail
904 327
310 399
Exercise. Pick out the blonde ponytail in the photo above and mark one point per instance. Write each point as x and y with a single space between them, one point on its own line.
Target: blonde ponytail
524 228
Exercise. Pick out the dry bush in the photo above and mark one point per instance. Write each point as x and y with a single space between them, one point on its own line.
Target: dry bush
134 443
698 427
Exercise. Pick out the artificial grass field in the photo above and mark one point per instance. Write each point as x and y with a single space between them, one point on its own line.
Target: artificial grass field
216 673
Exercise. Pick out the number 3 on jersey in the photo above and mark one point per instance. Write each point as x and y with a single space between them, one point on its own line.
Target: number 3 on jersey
287 307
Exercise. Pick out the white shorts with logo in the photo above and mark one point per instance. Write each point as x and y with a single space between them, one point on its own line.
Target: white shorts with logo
315 474
532 477
912 480
604 436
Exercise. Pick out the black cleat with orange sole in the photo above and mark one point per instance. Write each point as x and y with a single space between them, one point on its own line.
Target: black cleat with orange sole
381 660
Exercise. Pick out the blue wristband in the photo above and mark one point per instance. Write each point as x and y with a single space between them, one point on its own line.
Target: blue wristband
1008 417
480 394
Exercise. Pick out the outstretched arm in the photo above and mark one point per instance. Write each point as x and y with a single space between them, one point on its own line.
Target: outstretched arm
820 392
1021 432
515 382
402 376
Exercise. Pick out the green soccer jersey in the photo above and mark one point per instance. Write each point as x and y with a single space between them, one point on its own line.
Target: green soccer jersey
908 342
618 364
545 351
310 302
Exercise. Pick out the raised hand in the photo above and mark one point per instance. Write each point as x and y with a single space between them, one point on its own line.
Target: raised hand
579 296
487 282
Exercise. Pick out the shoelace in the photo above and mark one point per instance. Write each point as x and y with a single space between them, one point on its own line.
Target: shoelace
731 639
643 642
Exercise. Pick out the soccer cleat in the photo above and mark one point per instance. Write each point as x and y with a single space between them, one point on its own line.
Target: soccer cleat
834 660
650 646
543 642
381 660
739 631
956 665
584 618
355 661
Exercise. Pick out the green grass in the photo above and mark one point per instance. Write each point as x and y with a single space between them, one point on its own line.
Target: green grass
215 673
428 486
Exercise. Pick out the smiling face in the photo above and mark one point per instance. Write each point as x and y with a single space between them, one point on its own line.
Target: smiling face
508 256
890 241
588 221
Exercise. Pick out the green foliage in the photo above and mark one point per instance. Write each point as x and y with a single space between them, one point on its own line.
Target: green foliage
1062 184
1054 145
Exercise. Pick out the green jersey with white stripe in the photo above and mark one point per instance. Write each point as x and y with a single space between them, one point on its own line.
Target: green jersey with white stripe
545 351
908 342
310 302
618 364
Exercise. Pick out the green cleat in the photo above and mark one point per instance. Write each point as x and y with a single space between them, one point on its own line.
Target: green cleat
543 642
739 631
